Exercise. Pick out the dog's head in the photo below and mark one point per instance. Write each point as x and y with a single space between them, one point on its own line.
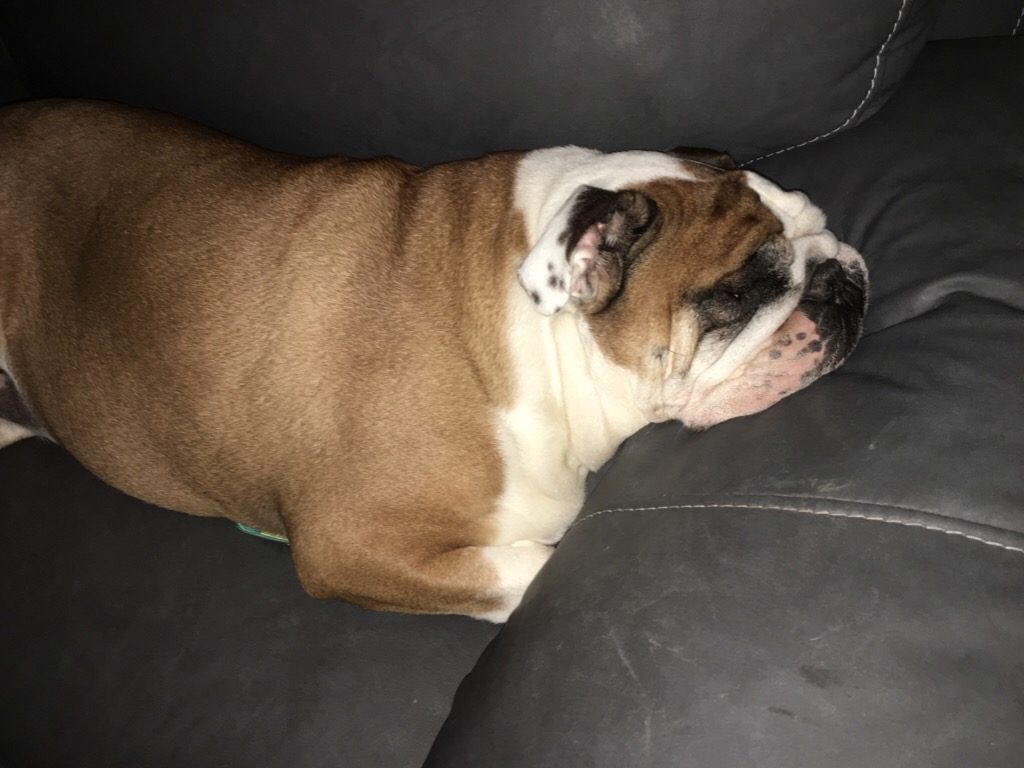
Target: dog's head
721 292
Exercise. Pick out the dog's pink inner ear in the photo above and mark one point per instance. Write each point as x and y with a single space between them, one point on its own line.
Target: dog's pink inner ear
595 275
582 264
612 228
591 240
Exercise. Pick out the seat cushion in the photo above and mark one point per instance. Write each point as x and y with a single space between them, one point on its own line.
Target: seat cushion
714 638
130 635
836 581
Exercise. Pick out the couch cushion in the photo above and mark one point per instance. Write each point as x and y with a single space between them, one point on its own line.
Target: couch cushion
430 82
978 18
133 636
11 86
836 581
716 638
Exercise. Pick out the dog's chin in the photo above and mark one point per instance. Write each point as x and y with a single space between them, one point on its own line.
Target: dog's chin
662 412
694 420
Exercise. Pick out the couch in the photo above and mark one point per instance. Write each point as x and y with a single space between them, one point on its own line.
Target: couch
837 581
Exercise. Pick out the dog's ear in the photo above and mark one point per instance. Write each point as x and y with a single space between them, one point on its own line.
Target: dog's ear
713 157
583 253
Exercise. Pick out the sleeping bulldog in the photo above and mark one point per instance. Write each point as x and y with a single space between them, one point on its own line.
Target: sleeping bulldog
407 372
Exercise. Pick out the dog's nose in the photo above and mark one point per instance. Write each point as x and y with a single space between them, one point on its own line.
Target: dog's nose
825 283
835 298
830 282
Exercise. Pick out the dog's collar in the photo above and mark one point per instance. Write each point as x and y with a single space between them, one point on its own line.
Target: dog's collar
262 534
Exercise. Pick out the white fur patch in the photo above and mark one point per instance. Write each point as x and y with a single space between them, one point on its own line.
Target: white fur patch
12 433
515 566
572 409
799 216
545 274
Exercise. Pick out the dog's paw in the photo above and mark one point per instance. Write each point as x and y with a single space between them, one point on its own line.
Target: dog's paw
515 566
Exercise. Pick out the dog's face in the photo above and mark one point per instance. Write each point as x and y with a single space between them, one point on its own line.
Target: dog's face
722 294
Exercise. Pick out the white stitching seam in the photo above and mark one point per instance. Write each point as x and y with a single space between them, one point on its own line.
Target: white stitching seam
1016 26
859 107
819 512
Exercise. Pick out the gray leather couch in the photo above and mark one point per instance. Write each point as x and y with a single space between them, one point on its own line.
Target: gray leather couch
838 581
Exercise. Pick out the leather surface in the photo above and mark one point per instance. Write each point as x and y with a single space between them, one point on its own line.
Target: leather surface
723 638
430 82
133 636
838 580
978 18
920 423
11 86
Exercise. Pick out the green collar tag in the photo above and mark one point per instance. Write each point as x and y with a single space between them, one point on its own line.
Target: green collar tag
262 534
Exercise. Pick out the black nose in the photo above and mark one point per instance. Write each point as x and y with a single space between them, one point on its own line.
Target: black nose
825 282
835 298
830 283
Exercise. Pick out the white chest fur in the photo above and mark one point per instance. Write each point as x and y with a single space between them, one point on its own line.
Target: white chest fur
572 406
572 409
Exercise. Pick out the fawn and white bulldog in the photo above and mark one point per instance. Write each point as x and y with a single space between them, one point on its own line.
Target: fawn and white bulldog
408 372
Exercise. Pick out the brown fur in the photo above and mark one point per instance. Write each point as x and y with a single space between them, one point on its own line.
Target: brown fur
723 217
225 331
313 347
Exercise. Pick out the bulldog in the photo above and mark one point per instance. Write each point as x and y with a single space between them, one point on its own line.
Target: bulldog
406 372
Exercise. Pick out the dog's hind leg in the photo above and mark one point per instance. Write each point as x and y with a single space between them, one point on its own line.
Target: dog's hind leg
399 574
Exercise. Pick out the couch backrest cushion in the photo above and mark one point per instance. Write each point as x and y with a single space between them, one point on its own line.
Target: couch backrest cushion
979 18
430 82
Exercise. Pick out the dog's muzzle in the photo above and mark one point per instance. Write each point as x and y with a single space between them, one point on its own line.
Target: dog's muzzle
815 339
835 300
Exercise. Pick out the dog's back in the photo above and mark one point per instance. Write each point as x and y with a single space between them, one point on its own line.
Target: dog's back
137 260
195 317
